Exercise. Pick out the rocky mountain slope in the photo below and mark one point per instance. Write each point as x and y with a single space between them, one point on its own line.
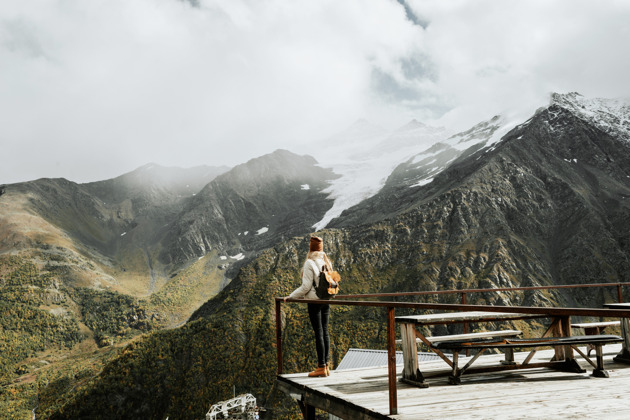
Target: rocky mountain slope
547 204
255 205
154 221
554 191
110 225
420 168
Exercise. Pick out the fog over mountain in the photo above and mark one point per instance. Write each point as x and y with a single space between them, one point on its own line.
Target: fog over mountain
91 92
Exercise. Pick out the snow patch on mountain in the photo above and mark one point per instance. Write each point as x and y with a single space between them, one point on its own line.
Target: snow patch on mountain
365 163
425 166
358 181
610 115
422 182
489 132
420 157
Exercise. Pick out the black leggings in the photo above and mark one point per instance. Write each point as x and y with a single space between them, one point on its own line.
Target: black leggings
318 314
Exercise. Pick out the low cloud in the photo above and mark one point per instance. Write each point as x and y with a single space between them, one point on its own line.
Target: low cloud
92 89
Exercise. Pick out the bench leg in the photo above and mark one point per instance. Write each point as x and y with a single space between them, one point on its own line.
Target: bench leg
411 370
569 365
599 371
509 357
454 378
592 331
456 375
624 354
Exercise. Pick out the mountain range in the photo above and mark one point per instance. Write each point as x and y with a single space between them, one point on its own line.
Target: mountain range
506 203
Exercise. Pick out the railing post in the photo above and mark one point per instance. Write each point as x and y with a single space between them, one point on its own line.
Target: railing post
279 335
619 293
466 325
391 360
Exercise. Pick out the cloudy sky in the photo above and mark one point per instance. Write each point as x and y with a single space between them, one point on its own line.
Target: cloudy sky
91 89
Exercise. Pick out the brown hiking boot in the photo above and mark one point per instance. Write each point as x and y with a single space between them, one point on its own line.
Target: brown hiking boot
320 371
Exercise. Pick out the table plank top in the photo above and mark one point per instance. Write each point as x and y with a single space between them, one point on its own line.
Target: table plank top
462 317
622 305
595 324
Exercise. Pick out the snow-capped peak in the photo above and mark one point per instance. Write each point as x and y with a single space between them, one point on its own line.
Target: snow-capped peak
422 168
609 115
411 125
489 132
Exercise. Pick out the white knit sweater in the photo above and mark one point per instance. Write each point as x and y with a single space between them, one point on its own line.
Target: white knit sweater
312 267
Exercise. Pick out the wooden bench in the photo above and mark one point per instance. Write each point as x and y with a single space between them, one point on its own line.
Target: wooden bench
411 331
509 353
433 341
567 365
595 328
472 336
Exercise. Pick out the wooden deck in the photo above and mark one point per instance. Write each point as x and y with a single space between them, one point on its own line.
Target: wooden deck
519 394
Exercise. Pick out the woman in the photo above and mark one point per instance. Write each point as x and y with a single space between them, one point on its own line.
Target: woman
317 313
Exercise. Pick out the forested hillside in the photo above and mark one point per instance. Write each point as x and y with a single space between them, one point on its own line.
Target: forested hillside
26 327
231 346
52 333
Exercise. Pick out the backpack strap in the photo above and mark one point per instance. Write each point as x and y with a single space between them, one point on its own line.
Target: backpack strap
313 266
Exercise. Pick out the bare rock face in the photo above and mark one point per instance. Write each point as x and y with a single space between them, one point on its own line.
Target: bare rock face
169 217
253 206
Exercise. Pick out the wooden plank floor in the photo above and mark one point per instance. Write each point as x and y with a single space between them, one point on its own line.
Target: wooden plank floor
518 394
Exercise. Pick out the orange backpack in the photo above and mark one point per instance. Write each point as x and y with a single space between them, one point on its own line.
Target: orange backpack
328 285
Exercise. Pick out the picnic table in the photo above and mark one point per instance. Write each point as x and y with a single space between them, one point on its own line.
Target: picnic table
624 354
558 335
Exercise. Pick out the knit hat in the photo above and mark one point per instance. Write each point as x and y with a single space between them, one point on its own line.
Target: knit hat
317 244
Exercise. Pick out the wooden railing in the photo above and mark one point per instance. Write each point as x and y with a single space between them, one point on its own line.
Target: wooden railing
390 306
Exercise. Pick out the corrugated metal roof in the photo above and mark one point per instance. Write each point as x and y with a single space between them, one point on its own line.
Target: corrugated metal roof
360 358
